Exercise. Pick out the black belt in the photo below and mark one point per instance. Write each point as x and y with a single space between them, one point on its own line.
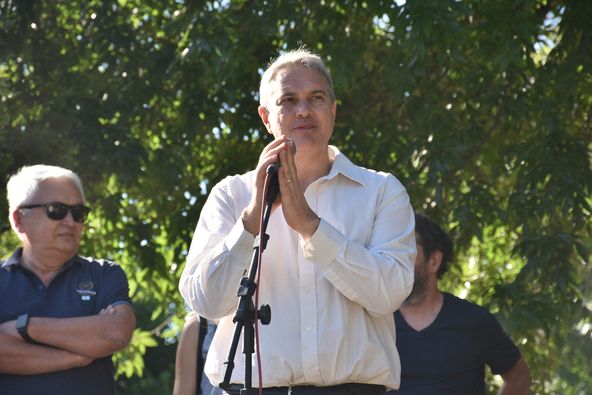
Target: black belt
341 389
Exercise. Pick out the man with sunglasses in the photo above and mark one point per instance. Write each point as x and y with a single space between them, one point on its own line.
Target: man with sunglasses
61 315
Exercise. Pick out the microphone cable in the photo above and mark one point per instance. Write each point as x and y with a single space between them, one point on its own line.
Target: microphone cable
268 181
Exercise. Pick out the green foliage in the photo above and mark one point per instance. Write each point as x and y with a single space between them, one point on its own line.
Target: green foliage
482 109
130 361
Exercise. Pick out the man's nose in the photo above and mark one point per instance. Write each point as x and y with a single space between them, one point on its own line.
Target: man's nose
69 218
303 108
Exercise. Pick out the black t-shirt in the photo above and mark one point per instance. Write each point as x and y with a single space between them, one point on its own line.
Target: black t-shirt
449 356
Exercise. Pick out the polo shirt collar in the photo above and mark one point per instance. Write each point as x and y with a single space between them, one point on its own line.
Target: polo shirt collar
14 259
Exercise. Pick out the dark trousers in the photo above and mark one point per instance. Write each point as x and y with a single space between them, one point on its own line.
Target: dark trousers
341 389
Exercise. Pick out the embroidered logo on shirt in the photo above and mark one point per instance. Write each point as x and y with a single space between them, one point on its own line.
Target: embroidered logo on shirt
86 290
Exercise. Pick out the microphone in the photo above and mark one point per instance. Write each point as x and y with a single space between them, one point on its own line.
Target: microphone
274 184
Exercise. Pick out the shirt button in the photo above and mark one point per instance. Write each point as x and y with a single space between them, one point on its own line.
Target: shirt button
308 328
40 287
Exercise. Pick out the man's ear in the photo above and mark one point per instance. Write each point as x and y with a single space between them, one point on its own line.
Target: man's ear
264 115
435 261
16 221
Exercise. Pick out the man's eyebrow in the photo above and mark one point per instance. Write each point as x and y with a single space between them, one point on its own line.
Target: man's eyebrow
288 93
321 91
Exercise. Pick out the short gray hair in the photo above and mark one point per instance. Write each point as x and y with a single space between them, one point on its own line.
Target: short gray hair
23 185
298 57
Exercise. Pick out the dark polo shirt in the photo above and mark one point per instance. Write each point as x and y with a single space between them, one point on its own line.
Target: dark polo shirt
83 287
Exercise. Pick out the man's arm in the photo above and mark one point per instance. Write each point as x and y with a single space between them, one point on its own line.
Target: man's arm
19 357
374 268
93 336
516 380
222 245
220 252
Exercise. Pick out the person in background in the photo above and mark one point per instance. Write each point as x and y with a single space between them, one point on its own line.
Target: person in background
339 260
192 349
61 315
445 342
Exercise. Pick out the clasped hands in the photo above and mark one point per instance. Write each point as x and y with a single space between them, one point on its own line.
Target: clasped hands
297 213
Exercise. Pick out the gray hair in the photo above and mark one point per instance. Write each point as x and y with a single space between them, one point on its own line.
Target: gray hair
298 57
24 184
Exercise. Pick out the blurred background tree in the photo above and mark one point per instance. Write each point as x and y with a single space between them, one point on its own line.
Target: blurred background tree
482 109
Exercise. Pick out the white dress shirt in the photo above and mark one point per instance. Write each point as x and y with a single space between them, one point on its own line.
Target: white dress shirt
332 297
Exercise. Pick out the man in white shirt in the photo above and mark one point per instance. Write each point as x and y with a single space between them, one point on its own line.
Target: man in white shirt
339 260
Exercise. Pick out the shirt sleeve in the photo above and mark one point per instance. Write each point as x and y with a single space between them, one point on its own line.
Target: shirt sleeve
377 274
499 351
114 287
219 255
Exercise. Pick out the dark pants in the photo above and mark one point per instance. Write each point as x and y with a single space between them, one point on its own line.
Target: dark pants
341 389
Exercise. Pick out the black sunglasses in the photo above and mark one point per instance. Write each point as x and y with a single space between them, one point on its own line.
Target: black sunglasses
58 211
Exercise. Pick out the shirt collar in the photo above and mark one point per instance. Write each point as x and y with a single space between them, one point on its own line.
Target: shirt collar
14 259
342 165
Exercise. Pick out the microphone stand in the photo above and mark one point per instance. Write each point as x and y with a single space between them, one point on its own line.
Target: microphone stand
246 312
